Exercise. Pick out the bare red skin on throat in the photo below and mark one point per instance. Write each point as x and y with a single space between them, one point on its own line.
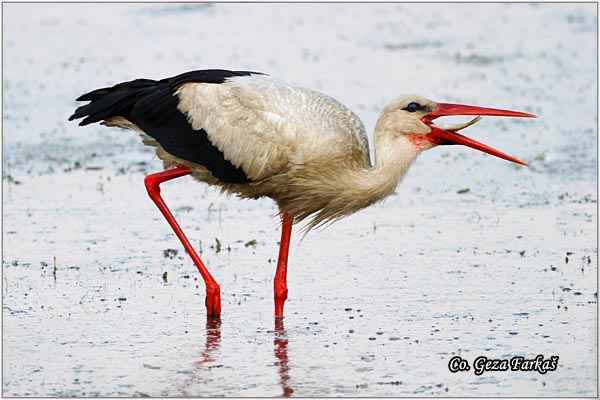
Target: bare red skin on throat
421 142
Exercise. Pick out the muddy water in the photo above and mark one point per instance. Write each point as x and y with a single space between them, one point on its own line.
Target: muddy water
471 257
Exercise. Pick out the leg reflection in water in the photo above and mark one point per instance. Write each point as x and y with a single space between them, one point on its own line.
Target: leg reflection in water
280 348
196 382
213 339
210 352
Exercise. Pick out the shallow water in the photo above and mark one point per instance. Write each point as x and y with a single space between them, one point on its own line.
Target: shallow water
472 256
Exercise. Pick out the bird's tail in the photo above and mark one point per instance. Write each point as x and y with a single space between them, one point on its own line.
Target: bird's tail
115 101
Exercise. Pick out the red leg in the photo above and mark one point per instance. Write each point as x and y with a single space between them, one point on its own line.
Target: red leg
152 182
280 282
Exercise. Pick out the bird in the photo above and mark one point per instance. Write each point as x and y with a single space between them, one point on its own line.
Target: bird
253 135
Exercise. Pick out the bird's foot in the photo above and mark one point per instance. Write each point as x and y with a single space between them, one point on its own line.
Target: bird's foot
280 297
213 301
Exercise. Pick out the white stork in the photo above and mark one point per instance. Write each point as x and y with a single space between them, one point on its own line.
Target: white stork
255 135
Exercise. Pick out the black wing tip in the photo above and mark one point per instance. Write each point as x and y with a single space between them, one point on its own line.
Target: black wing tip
75 116
93 95
84 122
252 73
84 97
207 76
103 99
83 112
79 113
211 75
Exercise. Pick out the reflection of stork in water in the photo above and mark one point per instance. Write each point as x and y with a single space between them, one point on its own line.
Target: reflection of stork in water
254 135
280 342
213 339
211 347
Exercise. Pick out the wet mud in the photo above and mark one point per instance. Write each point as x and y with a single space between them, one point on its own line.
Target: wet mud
470 257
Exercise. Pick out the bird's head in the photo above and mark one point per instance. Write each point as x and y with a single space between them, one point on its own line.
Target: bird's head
413 117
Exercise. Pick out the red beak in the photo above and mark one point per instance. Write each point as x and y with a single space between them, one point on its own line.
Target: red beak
446 137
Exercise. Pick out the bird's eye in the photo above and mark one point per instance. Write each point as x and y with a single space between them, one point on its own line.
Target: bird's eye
412 107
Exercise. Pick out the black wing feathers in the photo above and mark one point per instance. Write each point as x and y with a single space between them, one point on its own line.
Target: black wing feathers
158 116
206 76
152 106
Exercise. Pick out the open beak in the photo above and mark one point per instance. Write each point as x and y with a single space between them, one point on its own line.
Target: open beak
448 134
